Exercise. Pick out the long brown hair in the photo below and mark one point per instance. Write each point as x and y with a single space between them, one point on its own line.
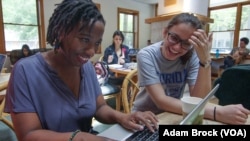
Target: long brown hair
188 19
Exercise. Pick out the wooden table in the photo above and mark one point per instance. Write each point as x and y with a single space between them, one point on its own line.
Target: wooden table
120 71
174 119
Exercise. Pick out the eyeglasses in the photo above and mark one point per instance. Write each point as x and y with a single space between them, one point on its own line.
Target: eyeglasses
174 39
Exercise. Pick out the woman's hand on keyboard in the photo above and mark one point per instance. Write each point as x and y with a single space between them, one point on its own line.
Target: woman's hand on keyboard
137 121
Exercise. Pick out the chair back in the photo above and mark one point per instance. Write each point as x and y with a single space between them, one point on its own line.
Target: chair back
129 90
234 86
101 58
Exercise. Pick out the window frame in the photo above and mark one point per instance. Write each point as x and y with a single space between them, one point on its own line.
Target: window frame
40 26
135 31
237 20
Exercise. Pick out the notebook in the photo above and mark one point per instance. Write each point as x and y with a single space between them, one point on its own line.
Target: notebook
117 132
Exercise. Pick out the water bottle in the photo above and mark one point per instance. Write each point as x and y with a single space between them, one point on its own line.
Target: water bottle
217 55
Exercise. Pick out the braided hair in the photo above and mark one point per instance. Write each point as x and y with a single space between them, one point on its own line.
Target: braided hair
68 15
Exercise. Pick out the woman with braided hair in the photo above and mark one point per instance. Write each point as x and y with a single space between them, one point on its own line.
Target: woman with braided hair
54 95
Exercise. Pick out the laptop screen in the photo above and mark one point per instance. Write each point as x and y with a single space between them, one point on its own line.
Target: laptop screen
189 119
2 61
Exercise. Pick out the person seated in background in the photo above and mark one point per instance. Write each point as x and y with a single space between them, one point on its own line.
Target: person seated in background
242 48
183 57
117 52
54 95
25 51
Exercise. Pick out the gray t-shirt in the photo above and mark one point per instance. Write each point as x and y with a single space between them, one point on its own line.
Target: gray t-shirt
153 68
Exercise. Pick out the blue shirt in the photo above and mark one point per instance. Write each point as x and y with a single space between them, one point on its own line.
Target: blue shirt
34 87
111 51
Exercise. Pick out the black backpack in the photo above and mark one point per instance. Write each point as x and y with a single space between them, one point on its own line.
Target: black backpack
234 86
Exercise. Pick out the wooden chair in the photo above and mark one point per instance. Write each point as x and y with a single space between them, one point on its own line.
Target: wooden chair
6 125
129 90
4 117
101 58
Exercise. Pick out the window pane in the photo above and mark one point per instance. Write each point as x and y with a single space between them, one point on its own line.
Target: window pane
128 39
222 41
223 29
19 11
245 23
20 24
126 22
245 17
16 36
223 2
224 19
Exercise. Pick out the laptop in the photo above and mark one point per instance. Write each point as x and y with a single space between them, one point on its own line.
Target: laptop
3 77
189 119
3 58
117 132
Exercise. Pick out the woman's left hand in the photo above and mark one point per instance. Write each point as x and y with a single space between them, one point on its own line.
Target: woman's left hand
202 44
137 121
232 114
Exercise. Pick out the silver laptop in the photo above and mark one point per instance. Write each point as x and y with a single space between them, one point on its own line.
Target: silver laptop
189 119
117 132
3 58
3 77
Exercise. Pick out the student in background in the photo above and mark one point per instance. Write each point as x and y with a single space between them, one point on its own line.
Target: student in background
237 55
242 48
183 57
25 52
60 105
117 52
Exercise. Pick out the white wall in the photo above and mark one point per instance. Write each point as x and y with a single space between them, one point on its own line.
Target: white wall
194 6
109 11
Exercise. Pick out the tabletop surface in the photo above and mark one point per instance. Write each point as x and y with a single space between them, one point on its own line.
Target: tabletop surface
175 119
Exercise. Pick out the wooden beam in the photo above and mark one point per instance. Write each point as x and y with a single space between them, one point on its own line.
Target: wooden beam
202 18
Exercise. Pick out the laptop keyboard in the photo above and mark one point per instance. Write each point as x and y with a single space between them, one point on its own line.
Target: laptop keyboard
144 135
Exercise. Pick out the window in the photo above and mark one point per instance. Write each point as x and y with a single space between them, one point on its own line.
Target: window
223 28
20 24
231 22
128 21
223 2
245 22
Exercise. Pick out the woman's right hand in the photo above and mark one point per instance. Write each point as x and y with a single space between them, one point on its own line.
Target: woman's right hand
202 44
110 58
